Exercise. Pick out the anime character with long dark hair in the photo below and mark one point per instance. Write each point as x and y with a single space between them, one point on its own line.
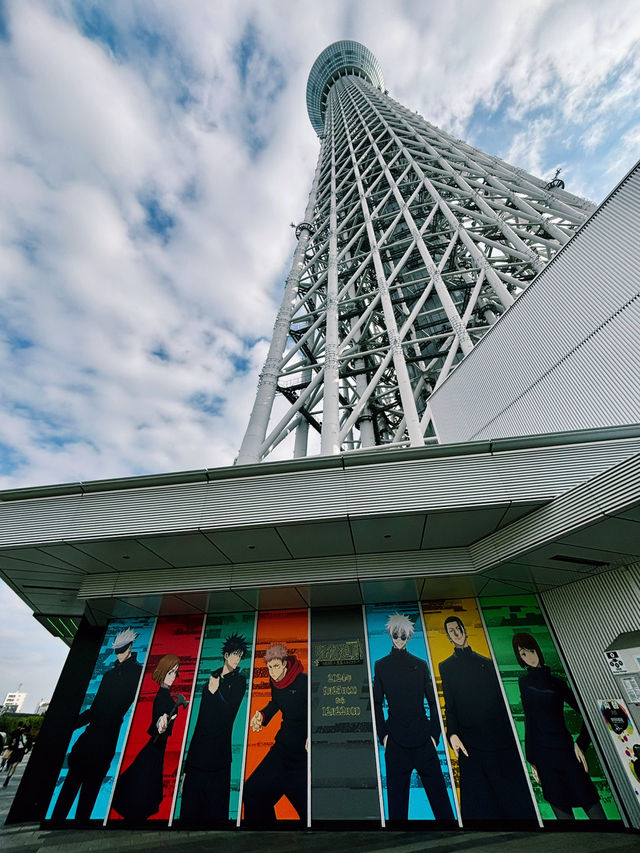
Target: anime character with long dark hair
139 790
558 764
92 753
409 737
207 783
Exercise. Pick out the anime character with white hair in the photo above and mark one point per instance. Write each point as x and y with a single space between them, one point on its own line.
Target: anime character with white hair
409 737
92 753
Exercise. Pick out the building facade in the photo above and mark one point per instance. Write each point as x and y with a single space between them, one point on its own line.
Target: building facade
13 703
398 628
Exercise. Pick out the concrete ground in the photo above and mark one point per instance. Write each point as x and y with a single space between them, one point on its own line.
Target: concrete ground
29 838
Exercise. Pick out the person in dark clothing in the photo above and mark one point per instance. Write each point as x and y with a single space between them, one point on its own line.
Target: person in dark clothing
206 789
283 770
409 737
92 753
140 789
19 742
558 764
492 780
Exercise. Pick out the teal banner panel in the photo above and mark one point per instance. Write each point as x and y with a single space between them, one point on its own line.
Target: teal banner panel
212 763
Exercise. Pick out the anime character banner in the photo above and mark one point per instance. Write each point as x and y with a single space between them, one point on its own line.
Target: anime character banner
145 786
619 724
414 771
566 775
344 779
212 764
84 785
276 771
490 777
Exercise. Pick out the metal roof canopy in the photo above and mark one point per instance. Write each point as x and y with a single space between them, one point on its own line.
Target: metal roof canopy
502 517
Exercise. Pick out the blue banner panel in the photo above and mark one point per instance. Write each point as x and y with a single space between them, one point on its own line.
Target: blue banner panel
416 784
85 781
212 764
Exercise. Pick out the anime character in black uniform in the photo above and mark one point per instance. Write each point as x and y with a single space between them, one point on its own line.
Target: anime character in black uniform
139 790
92 753
492 779
409 737
207 783
558 764
283 770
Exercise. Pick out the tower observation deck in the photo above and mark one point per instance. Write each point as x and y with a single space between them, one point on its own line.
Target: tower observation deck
412 245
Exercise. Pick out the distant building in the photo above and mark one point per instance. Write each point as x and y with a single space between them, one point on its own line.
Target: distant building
13 703
43 706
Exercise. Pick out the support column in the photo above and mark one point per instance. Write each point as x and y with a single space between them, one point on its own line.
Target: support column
330 440
267 384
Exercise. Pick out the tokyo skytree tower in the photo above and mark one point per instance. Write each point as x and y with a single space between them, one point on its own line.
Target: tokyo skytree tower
413 243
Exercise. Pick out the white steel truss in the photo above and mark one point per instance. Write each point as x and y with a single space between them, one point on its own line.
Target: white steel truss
412 245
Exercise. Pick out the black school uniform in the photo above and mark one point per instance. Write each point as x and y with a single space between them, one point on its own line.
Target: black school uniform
283 770
493 785
548 743
406 682
207 783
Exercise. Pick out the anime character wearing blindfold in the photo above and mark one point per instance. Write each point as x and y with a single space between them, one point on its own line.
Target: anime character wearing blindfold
92 753
409 737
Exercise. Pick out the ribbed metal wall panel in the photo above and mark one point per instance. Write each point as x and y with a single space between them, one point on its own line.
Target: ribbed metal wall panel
586 617
613 349
592 501
283 573
561 358
533 474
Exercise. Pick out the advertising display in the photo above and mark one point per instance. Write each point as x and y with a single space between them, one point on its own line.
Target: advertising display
146 782
490 776
344 779
565 773
209 790
84 784
454 712
620 726
276 779
414 771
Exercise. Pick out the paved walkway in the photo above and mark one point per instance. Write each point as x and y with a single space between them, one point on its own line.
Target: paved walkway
29 838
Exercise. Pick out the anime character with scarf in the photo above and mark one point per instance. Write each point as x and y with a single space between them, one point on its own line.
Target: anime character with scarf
283 770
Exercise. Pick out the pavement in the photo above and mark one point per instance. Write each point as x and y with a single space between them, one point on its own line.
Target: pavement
30 838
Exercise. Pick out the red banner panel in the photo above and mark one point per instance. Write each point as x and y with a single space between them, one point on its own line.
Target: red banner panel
145 786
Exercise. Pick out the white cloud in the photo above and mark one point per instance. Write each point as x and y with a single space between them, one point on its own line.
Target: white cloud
128 351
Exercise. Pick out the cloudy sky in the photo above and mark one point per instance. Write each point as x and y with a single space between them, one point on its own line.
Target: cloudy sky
152 156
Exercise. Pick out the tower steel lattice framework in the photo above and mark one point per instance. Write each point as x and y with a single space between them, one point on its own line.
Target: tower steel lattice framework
412 245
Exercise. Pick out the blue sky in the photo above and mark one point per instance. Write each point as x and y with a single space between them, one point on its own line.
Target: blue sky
152 156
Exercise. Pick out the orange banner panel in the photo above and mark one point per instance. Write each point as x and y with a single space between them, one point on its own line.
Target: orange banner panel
291 629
